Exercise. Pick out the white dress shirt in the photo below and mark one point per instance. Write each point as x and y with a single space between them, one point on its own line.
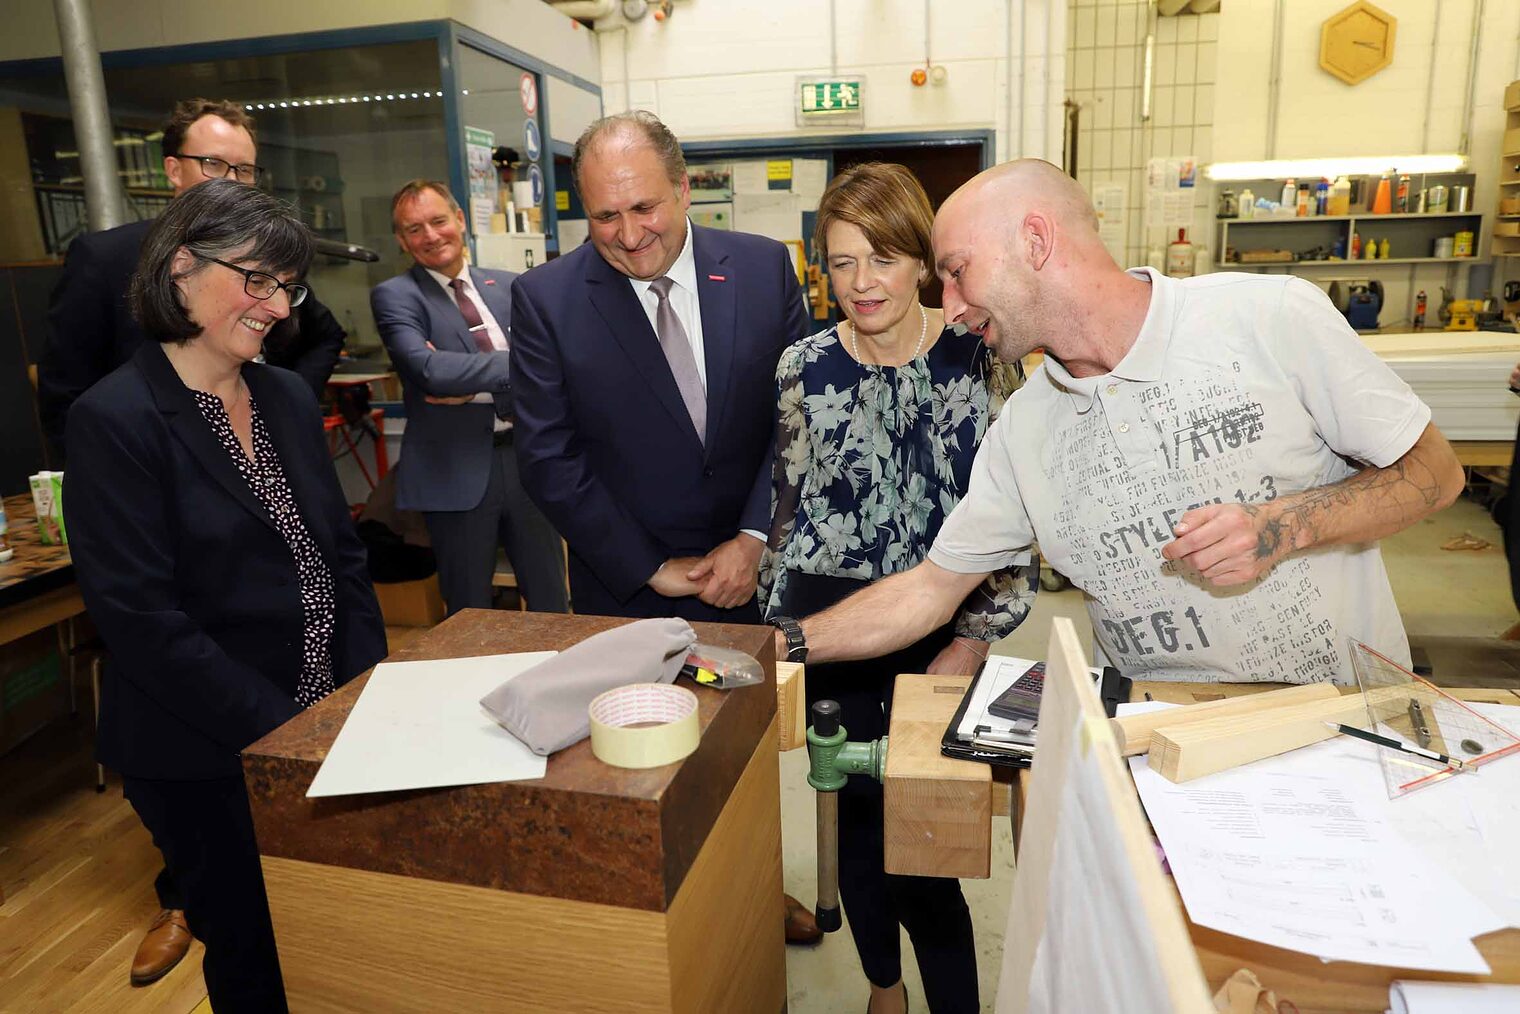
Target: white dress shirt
493 327
683 300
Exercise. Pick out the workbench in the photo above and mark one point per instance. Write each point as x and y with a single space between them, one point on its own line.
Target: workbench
1313 985
594 888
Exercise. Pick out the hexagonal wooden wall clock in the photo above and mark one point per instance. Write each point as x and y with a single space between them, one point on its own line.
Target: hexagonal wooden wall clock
1357 42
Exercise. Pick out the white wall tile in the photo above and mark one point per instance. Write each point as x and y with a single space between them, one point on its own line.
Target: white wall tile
1103 27
1102 150
1082 74
1187 28
1101 112
1161 105
1208 27
1083 28
1203 104
1125 27
1127 61
1103 68
1186 64
1208 61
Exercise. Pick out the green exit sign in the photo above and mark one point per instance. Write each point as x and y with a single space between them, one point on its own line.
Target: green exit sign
836 100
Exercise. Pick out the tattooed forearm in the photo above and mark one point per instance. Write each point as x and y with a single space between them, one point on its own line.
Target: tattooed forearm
1369 505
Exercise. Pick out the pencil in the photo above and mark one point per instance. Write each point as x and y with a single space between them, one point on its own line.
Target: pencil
1418 751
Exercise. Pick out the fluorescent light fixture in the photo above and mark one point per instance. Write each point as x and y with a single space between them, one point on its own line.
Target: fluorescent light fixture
1329 168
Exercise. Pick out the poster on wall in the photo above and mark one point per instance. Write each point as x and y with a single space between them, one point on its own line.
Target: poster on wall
478 145
711 182
1109 200
1170 184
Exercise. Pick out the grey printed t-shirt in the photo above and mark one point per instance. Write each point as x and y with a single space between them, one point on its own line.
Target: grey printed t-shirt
1239 388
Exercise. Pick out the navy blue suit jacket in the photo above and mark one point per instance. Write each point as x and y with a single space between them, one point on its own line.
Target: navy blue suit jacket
446 455
191 586
604 441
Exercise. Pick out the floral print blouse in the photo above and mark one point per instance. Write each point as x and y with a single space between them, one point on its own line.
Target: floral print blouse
870 460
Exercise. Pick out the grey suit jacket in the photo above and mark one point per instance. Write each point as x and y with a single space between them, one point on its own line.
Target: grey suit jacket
445 460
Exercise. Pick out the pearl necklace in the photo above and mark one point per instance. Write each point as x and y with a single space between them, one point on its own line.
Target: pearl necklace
923 333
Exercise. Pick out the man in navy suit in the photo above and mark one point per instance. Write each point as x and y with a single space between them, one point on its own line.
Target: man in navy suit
446 326
644 379
644 368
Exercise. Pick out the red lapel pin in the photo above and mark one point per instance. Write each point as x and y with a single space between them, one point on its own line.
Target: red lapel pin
490 281
717 278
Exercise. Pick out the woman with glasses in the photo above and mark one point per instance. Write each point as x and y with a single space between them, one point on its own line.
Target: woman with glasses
216 555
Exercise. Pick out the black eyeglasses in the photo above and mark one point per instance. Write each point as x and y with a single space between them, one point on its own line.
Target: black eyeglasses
262 285
219 169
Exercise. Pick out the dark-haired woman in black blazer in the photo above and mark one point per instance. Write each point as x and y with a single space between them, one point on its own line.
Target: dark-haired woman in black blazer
216 555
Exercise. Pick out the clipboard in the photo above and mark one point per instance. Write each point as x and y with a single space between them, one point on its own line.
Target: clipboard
1112 687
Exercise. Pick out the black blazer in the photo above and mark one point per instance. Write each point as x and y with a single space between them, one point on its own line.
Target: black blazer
604 442
191 586
91 331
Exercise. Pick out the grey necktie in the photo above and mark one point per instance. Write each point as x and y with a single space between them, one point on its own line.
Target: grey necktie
683 364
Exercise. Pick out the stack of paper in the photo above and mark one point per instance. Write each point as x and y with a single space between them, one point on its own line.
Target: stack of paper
1306 851
419 725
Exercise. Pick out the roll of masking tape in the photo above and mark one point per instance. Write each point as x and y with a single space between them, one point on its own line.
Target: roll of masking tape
644 725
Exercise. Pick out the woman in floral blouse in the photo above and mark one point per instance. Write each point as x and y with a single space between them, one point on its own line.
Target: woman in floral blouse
878 421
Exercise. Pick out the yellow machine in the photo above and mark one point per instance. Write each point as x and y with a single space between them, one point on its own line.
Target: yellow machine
1464 314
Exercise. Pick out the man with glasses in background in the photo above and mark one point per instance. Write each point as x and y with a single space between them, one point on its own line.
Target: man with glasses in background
91 332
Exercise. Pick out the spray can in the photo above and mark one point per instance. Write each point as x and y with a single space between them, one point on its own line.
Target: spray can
1401 198
1419 311
1322 198
1179 257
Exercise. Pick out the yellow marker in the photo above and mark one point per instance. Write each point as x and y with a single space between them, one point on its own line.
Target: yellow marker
706 676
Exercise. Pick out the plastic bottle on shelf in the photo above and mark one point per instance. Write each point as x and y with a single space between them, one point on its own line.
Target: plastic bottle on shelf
1179 256
1247 206
1290 193
1419 311
1356 245
1322 198
1301 202
1383 249
1340 197
1382 201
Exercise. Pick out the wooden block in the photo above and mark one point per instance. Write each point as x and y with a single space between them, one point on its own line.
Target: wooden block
411 603
791 704
1182 753
351 940
1133 732
938 811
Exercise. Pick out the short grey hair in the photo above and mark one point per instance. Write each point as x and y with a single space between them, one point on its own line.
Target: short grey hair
219 218
648 128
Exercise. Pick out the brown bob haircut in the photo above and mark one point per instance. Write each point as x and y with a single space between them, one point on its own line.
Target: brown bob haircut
887 203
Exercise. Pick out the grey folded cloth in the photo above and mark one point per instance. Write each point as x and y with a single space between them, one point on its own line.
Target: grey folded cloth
545 706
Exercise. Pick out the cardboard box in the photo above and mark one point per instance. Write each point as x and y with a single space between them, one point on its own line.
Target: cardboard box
33 690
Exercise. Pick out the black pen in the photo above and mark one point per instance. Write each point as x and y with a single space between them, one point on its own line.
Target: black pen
1372 737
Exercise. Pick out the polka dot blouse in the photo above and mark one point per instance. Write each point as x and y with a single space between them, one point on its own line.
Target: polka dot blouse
267 480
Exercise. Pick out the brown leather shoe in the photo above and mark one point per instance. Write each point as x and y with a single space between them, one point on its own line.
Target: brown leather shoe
801 927
162 947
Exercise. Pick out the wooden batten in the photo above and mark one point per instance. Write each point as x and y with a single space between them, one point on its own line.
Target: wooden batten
1133 732
791 704
1184 752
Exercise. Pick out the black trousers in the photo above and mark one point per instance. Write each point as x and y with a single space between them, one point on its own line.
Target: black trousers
205 832
465 542
931 909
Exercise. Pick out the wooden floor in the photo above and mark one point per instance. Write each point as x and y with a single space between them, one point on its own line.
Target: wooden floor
76 883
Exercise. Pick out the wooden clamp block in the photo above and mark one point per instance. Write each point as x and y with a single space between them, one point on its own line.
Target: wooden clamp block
1184 752
791 705
938 810
1133 732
